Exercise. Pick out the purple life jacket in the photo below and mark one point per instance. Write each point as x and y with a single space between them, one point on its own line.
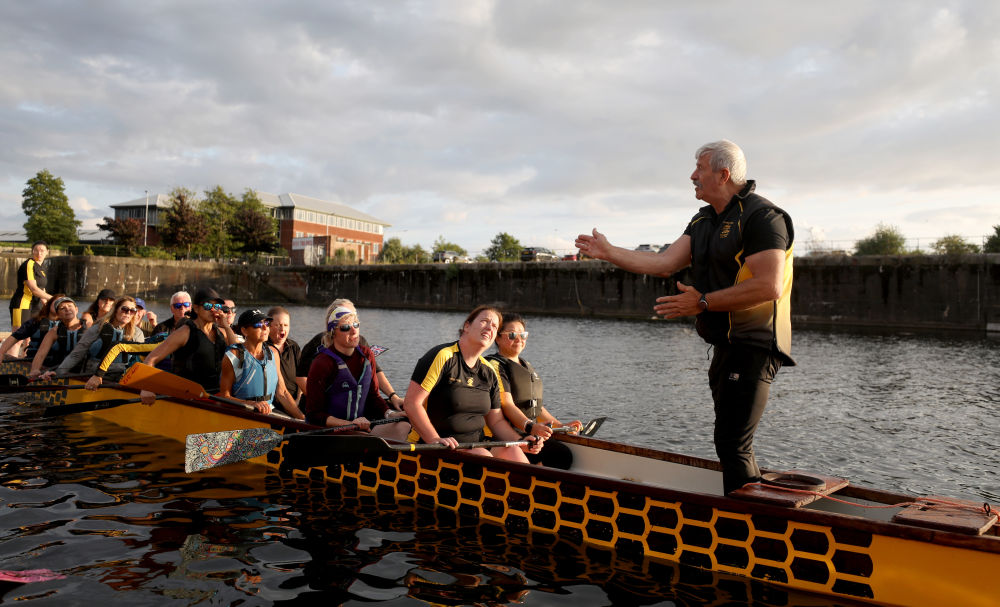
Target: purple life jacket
346 396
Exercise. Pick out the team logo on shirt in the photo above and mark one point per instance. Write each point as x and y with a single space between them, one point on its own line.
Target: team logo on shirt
724 230
471 381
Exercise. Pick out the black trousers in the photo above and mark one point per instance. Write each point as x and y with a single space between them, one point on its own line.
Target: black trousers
740 378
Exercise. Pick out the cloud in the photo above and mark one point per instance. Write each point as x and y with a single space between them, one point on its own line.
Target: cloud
526 117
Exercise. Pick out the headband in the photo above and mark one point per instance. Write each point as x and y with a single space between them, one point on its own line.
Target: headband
335 316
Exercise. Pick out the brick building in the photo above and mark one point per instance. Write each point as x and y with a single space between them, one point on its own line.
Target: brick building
310 229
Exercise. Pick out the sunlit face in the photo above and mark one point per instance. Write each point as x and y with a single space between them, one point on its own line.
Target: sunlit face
708 184
212 315
231 314
280 326
511 348
179 313
345 340
126 312
483 328
254 334
38 252
66 312
104 306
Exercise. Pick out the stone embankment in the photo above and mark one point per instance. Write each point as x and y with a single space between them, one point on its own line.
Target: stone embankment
909 293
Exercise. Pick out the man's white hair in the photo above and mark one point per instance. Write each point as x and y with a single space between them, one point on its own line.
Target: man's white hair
178 295
725 154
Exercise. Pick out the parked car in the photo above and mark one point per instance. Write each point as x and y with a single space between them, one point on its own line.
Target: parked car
569 257
538 254
446 256
652 248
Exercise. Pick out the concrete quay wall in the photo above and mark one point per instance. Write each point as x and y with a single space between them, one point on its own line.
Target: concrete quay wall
887 293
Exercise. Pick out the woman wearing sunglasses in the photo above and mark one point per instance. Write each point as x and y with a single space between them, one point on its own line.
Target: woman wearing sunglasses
111 329
59 341
251 371
342 387
522 397
198 345
455 393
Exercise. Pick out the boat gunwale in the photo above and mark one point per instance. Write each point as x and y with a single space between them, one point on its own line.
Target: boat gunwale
982 543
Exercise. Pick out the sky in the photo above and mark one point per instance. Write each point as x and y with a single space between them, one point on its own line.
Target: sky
543 119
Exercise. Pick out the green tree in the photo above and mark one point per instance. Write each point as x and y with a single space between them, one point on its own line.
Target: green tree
887 240
343 256
50 218
417 254
183 226
953 244
127 231
504 247
219 210
443 245
254 230
992 244
393 251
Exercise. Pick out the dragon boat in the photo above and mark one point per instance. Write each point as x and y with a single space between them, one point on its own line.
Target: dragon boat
800 530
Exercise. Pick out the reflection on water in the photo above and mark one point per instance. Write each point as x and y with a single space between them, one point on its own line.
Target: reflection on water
115 513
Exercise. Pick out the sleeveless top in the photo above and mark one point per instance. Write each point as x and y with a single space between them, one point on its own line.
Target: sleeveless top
345 395
200 360
256 380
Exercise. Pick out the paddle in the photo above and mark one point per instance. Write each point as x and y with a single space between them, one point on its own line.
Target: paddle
15 382
57 410
358 445
39 388
589 429
213 449
145 377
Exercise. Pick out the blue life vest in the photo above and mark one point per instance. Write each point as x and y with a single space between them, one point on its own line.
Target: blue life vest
36 338
346 396
256 380
108 337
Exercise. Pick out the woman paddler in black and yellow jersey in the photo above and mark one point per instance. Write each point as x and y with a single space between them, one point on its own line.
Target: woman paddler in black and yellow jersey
455 393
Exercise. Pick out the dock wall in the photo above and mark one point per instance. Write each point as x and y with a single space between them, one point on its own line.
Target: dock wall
896 293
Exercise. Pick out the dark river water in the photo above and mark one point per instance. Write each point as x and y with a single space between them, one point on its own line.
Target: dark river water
114 513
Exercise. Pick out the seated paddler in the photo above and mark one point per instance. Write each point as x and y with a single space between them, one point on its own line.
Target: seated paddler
342 387
106 347
455 393
60 340
251 371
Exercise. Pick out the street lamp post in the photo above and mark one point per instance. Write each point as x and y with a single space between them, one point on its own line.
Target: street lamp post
145 221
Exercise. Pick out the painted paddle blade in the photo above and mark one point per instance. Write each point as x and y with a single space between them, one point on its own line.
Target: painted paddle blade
214 449
146 377
591 428
13 380
57 410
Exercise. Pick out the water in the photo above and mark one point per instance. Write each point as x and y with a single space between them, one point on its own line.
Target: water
114 512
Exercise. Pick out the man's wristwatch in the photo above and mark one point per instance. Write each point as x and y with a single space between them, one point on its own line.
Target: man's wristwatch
703 303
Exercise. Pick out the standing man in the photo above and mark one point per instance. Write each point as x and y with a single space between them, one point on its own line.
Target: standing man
739 247
29 292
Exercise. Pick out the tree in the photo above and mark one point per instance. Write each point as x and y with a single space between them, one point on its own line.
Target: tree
183 226
254 230
127 232
417 254
887 240
443 245
992 244
50 218
504 247
953 244
393 251
219 211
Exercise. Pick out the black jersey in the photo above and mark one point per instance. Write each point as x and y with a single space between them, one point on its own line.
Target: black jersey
460 396
23 298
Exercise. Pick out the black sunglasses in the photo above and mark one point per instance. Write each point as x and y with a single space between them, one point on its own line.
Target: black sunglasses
346 328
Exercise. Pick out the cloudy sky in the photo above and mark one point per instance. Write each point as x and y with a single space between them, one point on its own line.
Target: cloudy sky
466 118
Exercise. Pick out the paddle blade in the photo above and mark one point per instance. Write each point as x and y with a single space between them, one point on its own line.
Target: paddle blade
214 449
146 377
591 428
57 410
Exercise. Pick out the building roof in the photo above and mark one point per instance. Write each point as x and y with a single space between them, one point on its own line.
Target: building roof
294 201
